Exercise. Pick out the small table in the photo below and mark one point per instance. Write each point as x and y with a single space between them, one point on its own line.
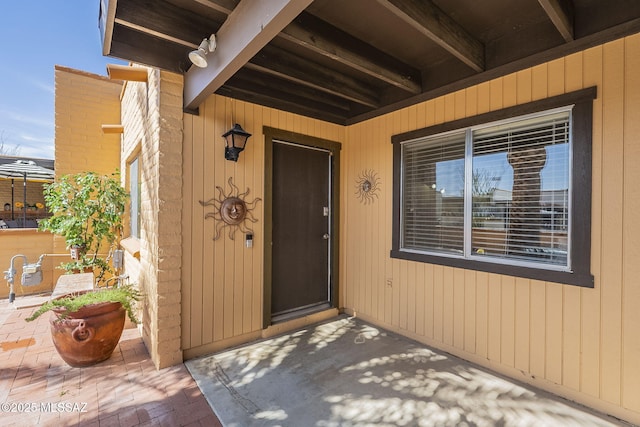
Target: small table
68 283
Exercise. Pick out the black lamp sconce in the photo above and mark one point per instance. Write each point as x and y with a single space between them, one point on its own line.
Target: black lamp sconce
236 139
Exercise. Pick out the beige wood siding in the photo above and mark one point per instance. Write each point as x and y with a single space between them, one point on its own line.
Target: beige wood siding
578 342
222 280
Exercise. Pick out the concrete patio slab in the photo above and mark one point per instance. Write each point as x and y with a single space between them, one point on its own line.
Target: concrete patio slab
348 373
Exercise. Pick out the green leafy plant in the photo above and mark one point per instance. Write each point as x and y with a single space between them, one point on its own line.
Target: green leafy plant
126 295
87 210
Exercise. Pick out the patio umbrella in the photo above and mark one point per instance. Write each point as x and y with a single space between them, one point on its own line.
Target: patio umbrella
28 170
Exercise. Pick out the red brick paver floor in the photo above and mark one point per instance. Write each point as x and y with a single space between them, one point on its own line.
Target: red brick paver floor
38 388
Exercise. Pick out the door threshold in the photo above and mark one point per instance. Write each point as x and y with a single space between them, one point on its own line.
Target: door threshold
299 312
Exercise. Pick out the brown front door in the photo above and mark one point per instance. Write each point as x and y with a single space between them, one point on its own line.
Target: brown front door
301 223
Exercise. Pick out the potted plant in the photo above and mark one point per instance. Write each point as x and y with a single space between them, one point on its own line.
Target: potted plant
86 326
87 209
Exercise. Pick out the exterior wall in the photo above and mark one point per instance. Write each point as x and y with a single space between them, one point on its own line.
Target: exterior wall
83 103
577 342
222 280
152 119
32 244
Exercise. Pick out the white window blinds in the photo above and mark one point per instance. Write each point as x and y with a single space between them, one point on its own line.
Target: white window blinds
516 191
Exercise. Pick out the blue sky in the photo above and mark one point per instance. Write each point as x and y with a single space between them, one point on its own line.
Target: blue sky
36 35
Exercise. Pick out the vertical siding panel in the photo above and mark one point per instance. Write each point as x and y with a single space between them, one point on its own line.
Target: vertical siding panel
389 290
572 295
555 77
554 322
460 104
449 107
573 72
197 220
459 314
508 321
411 292
230 285
219 179
484 98
258 256
591 298
447 307
539 78
537 328
571 337
470 285
510 90
522 326
350 235
403 312
380 142
187 253
631 247
612 203
428 301
494 333
482 314
419 300
524 86
438 293
248 258
207 158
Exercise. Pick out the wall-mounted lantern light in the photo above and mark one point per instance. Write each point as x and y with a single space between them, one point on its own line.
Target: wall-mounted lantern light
236 139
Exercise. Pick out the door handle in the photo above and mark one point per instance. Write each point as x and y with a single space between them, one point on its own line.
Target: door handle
326 236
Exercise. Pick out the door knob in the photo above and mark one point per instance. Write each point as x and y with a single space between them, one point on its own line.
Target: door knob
326 236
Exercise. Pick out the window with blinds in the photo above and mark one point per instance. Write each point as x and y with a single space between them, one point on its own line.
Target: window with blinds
497 192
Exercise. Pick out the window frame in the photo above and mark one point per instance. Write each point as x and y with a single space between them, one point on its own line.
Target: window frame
581 122
134 160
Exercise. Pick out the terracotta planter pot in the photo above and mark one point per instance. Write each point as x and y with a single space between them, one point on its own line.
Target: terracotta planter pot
89 335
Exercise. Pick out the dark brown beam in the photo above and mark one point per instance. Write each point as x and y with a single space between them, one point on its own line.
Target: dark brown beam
560 12
286 92
164 20
427 18
250 27
280 63
332 43
276 87
222 6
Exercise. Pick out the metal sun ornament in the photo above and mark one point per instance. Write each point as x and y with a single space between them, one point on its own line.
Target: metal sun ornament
231 210
367 186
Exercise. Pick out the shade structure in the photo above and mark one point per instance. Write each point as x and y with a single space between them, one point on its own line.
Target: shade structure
26 170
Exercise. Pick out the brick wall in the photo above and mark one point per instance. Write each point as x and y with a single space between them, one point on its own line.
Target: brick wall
152 120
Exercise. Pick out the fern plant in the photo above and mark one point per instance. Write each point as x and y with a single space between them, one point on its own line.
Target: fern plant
126 295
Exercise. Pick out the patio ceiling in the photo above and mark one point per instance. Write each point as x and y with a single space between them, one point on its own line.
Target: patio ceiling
347 61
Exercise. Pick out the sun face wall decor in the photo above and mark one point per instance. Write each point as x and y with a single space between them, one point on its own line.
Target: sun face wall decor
231 210
367 186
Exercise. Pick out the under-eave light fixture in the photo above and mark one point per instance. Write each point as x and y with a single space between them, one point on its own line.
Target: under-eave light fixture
199 56
236 139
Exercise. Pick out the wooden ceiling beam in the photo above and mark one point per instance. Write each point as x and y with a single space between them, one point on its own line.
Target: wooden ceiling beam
222 6
166 21
251 25
285 65
560 12
330 42
431 21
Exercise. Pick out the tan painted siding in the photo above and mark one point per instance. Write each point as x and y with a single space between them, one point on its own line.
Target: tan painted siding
222 281
581 343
